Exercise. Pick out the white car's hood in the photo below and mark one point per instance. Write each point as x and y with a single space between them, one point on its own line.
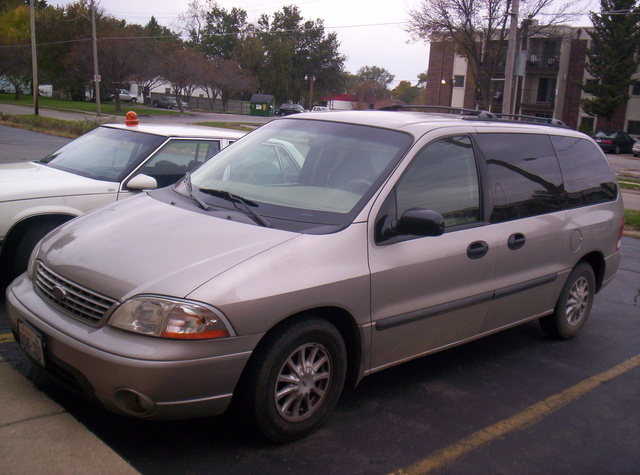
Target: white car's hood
142 245
28 180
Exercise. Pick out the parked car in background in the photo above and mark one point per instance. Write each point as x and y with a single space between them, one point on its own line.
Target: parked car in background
320 109
320 249
288 109
614 142
126 96
166 102
636 149
105 165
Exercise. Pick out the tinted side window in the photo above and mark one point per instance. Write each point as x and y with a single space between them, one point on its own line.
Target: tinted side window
443 177
587 176
524 174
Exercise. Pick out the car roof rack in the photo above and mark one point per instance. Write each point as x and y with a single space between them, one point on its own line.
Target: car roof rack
475 114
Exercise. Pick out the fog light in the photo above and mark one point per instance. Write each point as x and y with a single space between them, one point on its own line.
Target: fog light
134 403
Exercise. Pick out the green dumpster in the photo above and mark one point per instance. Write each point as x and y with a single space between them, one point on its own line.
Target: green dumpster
262 104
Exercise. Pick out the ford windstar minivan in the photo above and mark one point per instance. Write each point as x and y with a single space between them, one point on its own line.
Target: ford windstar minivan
317 250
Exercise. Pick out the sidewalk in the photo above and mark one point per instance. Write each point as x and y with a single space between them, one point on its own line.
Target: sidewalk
37 436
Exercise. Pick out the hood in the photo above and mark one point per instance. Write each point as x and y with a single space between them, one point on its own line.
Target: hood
142 245
28 180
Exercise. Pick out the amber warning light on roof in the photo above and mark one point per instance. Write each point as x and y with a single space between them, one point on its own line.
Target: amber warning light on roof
131 119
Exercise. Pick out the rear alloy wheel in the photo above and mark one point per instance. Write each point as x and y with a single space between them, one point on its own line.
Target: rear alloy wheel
295 379
573 306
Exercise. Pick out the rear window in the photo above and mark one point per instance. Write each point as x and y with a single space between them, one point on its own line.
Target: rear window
586 173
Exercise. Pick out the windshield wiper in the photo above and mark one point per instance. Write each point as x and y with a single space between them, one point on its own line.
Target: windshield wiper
246 204
187 181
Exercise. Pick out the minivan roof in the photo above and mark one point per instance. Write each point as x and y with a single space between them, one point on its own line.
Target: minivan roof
419 123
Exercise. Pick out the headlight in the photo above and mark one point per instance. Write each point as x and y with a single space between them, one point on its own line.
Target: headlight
170 318
31 265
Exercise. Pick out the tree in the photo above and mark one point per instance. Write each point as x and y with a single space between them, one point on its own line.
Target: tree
297 54
371 83
613 57
148 55
116 60
15 56
181 67
407 93
223 78
479 28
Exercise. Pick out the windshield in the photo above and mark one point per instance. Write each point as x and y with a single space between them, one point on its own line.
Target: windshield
104 153
305 171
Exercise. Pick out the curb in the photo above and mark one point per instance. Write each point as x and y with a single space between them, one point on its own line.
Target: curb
37 436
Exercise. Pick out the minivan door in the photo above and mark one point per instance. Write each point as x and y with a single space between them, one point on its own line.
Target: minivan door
430 292
528 203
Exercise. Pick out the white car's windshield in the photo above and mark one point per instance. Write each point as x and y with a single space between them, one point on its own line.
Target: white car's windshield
303 170
104 153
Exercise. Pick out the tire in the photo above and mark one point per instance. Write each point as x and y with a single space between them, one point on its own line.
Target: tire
574 304
28 241
617 150
293 380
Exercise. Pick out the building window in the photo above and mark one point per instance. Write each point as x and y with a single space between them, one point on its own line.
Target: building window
635 88
458 81
633 127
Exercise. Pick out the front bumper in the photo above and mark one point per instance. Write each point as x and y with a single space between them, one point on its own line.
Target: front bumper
149 379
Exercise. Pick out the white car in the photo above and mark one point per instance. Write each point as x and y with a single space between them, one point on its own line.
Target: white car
320 109
105 165
636 149
126 96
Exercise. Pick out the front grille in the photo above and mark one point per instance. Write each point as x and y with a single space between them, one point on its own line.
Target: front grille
77 301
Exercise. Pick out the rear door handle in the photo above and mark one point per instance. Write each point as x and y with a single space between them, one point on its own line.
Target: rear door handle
477 250
516 241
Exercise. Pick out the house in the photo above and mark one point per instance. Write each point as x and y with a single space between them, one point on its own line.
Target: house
551 66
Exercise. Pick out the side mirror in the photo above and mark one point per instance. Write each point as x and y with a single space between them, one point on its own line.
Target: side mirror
142 182
414 222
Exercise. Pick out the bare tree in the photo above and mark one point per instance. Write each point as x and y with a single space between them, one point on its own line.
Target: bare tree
181 67
223 78
479 29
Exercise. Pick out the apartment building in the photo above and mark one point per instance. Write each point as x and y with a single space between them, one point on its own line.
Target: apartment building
551 66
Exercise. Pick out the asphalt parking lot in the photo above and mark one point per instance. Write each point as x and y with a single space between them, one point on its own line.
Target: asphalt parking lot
515 402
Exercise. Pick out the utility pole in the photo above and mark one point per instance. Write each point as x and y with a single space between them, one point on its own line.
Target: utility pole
511 57
34 59
96 75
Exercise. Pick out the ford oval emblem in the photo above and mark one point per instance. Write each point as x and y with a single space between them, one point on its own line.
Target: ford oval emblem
59 293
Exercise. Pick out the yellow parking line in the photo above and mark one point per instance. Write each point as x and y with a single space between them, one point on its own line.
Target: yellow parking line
529 416
6 338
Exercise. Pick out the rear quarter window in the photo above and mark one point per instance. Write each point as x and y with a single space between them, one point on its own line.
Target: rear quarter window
588 179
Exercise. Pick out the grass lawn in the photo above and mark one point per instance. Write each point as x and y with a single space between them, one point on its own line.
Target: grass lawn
107 108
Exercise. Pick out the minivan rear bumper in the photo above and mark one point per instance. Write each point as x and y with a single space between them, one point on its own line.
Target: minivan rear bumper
612 263
153 388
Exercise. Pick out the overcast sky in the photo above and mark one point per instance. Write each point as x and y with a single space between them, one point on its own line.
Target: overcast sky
370 32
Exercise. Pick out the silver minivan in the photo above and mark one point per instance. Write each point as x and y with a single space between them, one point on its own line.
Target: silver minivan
317 250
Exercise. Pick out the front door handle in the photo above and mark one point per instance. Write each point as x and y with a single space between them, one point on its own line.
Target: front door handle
516 241
477 250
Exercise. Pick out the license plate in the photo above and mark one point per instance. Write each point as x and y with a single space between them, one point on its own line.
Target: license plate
31 342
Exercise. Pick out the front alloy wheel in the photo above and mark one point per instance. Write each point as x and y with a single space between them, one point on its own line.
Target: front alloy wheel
293 379
303 382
